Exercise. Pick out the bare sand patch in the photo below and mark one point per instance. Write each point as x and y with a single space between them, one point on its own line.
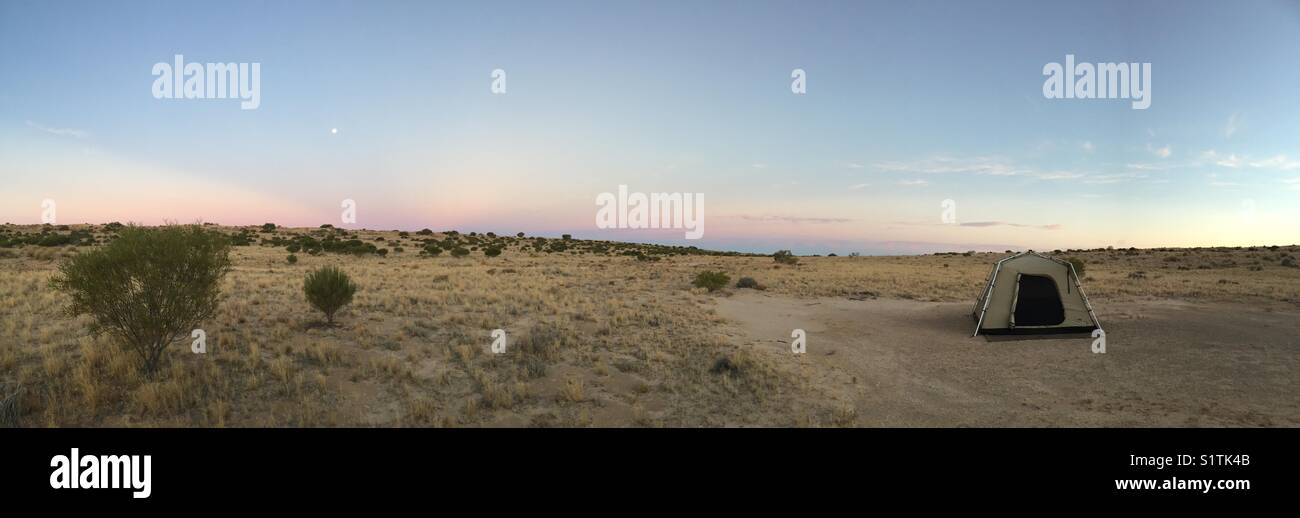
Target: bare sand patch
913 363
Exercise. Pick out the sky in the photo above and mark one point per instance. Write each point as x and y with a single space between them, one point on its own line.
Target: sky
906 105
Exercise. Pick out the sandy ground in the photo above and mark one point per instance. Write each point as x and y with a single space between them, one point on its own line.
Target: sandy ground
912 363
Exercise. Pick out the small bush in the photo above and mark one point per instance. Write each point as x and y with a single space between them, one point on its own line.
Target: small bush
710 280
748 282
459 251
328 289
1078 265
492 251
293 259
149 287
1289 262
785 257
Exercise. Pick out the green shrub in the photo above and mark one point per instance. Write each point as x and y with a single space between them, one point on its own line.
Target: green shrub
459 252
492 251
711 280
293 259
293 248
748 282
1078 265
149 287
785 257
328 289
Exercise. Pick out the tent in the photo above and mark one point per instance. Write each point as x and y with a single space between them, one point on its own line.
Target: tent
1032 294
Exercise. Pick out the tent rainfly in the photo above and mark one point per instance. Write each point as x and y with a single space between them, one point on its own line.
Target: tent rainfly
1029 294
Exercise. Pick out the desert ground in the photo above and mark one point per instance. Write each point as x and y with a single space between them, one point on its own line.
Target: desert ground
615 334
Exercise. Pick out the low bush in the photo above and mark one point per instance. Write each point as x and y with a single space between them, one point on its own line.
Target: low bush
711 280
328 289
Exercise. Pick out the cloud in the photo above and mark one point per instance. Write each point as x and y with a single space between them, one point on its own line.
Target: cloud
913 183
1157 166
854 165
1279 162
986 166
1088 146
1113 178
792 219
982 224
859 186
757 165
62 132
1233 161
1162 152
949 165
1292 183
1058 175
1233 125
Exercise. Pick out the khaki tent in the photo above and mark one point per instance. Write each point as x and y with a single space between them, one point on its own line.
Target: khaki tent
1030 294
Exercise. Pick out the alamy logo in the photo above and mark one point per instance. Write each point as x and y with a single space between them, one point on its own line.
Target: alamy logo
209 81
656 210
101 472
1099 81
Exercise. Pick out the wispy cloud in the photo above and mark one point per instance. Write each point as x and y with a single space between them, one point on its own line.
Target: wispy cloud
913 183
987 166
1157 166
1113 178
1162 152
62 132
1233 161
1088 146
792 219
1233 125
859 186
1279 162
950 165
1058 175
982 224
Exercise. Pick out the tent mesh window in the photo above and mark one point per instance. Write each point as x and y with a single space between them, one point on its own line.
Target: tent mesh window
1038 302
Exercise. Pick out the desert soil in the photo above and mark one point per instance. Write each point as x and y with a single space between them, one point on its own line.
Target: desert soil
912 363
617 334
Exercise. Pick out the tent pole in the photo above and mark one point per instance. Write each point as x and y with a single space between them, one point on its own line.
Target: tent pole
987 294
1091 314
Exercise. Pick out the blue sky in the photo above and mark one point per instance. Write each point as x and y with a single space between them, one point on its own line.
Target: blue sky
907 104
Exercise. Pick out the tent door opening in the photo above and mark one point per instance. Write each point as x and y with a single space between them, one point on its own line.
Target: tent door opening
1037 302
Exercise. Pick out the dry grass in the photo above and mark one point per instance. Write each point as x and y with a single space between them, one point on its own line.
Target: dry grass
593 340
